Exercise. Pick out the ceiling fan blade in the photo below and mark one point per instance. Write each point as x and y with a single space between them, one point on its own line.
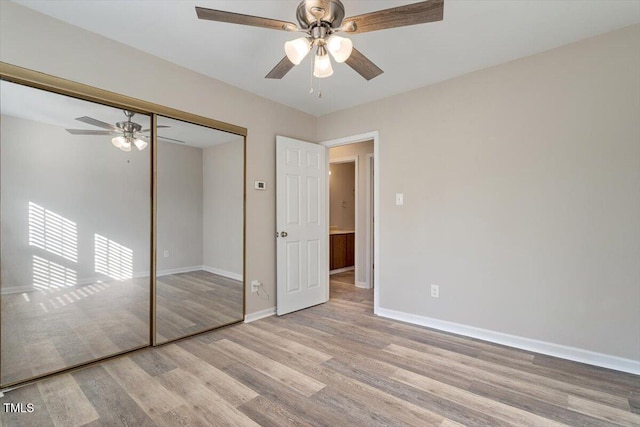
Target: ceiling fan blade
363 65
163 137
401 16
238 18
280 70
91 132
95 122
160 126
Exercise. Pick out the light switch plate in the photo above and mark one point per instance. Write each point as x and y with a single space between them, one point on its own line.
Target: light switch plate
260 185
399 199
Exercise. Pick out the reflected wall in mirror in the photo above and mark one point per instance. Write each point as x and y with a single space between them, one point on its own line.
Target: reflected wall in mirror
75 232
200 229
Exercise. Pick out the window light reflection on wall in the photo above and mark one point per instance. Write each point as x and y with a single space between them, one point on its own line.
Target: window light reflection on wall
52 232
50 275
112 259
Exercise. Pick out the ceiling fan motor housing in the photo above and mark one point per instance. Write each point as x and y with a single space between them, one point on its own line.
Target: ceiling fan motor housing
310 12
129 128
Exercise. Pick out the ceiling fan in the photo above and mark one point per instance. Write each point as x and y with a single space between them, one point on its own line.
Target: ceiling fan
320 20
126 133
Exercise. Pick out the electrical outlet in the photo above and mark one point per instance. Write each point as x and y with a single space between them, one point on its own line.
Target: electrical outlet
166 253
435 291
255 285
399 199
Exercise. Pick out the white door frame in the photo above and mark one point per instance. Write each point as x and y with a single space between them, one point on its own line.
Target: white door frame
349 159
374 135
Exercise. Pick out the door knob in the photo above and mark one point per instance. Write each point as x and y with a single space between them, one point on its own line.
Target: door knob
284 234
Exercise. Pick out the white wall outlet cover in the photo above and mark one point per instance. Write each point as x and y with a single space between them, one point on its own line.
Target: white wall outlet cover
399 199
259 185
435 291
255 285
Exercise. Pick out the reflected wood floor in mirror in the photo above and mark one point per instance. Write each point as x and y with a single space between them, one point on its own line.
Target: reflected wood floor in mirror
49 330
193 302
335 364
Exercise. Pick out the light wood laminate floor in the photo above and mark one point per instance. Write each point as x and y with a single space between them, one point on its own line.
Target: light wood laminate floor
335 364
347 277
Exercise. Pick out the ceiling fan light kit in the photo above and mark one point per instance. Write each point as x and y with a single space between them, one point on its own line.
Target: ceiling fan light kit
322 66
297 49
118 141
340 48
126 147
140 144
129 131
323 38
128 137
320 20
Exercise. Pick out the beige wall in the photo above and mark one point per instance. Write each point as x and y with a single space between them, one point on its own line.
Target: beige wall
521 186
179 225
223 174
359 150
342 201
36 41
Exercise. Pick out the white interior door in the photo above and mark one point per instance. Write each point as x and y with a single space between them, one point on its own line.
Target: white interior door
302 231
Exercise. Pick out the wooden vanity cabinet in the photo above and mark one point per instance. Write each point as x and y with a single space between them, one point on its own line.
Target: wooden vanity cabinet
342 250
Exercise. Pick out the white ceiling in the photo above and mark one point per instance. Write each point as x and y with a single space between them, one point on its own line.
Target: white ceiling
475 34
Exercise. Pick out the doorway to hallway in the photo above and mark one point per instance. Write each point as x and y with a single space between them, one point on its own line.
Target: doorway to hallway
351 214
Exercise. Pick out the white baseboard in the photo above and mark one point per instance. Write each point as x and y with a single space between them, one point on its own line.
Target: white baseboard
361 285
179 270
252 317
7 290
341 270
550 349
224 273
104 278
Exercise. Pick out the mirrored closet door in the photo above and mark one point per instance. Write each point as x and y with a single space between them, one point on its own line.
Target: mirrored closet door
76 229
200 229
115 235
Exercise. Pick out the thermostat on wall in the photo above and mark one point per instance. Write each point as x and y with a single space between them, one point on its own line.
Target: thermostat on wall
260 185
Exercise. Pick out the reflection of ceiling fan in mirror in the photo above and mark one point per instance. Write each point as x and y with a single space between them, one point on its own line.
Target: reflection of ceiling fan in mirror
126 133
320 20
